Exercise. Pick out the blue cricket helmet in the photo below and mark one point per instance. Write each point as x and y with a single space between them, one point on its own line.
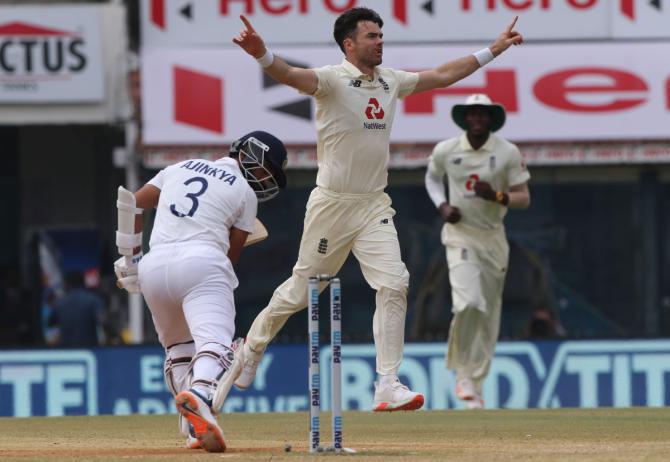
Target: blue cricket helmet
276 154
262 158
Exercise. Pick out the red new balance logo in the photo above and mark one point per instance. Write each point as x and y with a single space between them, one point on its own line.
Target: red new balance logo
374 110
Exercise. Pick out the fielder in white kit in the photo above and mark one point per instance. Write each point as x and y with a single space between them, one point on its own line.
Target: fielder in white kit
486 176
205 214
349 211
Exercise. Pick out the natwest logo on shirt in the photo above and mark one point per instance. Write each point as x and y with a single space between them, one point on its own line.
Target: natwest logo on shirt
374 110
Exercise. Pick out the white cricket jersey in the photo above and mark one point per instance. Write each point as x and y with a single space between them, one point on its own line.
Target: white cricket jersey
497 162
354 116
200 201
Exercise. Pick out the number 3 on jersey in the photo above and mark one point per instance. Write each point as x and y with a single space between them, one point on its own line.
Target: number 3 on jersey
193 196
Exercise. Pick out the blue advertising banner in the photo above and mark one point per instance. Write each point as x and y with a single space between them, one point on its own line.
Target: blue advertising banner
126 380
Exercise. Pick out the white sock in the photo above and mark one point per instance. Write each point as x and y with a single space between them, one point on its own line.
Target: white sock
388 379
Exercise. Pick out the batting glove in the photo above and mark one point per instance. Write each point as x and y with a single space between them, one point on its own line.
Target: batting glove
126 273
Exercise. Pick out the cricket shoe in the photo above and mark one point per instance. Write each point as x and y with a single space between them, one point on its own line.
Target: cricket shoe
465 390
197 410
476 403
188 431
396 397
251 360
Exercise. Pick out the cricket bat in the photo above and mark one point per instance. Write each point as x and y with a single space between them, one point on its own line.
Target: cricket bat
258 234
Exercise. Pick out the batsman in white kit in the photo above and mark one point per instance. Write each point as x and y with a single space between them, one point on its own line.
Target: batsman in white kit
349 211
486 177
205 214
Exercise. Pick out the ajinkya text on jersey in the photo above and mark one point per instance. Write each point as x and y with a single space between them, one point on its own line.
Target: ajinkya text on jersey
202 167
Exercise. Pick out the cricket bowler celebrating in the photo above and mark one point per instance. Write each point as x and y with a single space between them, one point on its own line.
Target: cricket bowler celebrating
349 211
206 213
486 176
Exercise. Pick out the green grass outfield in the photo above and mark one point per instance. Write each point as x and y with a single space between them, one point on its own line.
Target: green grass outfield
637 434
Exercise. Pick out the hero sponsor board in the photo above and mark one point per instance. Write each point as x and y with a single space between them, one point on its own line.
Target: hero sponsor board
180 22
557 92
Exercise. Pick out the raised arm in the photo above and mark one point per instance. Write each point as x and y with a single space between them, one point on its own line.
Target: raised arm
453 71
250 41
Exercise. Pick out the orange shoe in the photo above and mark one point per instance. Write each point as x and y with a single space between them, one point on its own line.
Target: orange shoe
186 429
199 414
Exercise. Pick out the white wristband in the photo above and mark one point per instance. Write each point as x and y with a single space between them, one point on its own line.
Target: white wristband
267 59
484 56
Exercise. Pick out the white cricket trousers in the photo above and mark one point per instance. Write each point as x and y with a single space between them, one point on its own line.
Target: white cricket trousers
336 224
477 263
189 287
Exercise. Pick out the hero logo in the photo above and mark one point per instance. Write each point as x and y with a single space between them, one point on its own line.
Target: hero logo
374 110
398 7
32 51
620 90
627 7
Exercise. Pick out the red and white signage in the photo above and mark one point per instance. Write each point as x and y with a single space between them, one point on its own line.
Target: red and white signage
551 92
50 54
416 156
216 22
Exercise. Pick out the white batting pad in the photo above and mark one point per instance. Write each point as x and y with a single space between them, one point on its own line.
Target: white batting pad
126 238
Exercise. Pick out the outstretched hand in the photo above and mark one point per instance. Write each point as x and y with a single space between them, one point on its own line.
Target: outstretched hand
249 40
508 38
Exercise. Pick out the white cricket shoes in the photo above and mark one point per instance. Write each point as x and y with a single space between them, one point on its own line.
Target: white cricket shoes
251 360
477 403
199 414
396 397
465 391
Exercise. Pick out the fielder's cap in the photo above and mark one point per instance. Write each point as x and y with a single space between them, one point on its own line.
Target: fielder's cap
479 99
276 154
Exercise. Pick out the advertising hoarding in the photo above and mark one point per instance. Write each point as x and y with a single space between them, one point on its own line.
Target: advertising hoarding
303 22
126 380
552 92
51 55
